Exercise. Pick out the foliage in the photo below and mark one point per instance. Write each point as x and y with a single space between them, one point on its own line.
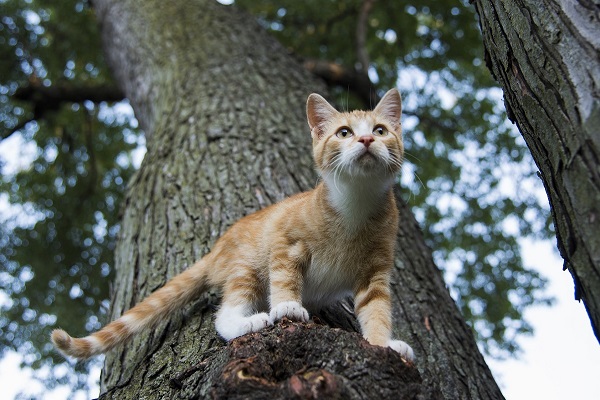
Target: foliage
62 223
468 175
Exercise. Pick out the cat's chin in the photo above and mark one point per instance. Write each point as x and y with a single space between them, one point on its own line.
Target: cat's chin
367 155
369 165
368 160
370 175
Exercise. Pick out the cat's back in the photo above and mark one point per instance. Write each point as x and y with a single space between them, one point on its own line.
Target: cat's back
258 231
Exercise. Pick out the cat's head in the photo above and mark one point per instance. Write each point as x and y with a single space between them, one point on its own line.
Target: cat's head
357 143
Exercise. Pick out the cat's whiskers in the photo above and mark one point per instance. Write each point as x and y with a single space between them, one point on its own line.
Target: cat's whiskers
395 161
410 155
334 168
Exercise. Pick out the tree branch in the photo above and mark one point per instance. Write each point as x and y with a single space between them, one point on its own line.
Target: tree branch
294 360
361 35
335 74
46 99
49 98
20 125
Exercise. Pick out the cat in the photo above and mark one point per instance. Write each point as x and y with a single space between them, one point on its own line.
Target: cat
312 249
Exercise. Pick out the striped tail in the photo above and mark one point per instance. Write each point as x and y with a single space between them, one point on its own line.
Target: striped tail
158 306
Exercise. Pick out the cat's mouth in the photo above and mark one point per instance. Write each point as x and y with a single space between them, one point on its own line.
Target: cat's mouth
367 153
367 159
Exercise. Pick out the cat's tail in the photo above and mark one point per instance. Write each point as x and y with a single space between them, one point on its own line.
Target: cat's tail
158 306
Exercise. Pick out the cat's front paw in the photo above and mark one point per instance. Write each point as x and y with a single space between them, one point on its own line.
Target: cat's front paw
401 347
289 309
256 322
229 325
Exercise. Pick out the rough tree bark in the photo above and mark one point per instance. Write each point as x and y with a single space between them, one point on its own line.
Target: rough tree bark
222 105
546 56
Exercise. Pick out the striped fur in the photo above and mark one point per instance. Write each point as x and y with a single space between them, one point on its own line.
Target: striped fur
308 250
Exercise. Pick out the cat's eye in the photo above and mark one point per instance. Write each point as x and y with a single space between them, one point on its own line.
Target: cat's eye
380 131
344 133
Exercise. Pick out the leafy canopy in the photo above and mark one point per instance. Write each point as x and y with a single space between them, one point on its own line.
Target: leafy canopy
61 208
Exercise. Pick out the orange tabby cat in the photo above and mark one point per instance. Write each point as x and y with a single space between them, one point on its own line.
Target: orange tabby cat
311 249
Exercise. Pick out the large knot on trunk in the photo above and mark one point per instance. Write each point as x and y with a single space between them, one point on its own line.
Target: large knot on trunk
309 360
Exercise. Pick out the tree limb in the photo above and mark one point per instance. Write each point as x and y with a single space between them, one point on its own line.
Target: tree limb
46 99
550 81
335 74
361 35
49 98
292 360
20 125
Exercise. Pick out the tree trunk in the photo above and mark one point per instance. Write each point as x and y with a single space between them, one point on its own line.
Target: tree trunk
223 109
546 56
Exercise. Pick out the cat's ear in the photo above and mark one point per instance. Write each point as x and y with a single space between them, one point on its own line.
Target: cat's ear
390 106
318 113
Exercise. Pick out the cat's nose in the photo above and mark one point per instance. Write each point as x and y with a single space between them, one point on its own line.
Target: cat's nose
366 140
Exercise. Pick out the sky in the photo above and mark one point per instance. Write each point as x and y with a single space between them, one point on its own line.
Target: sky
560 361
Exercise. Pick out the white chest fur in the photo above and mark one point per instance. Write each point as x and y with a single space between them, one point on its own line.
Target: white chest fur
327 280
356 199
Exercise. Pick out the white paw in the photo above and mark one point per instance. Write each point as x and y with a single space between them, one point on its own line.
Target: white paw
256 322
289 309
230 323
404 349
